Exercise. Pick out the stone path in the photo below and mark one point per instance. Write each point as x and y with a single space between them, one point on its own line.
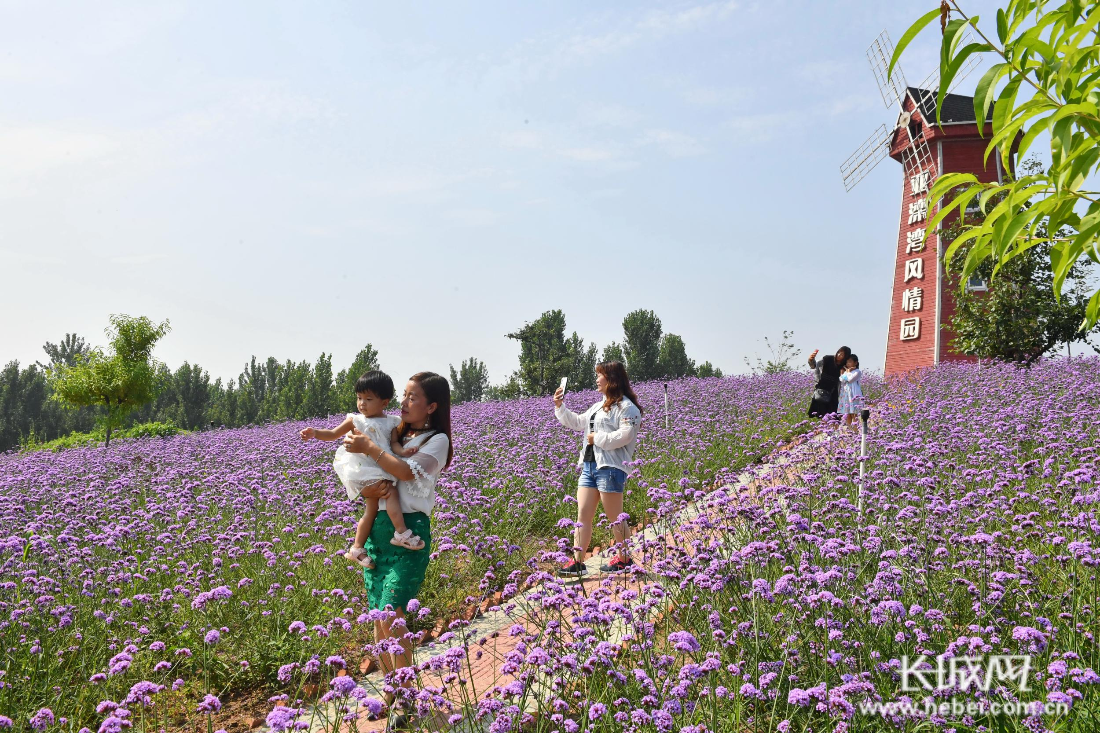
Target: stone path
488 634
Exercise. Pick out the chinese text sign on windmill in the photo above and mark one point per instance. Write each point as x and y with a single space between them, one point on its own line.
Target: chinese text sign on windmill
921 306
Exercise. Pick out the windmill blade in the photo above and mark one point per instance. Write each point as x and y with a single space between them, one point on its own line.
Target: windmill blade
916 157
866 157
879 54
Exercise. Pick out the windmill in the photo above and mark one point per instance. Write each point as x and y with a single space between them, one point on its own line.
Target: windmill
921 308
916 155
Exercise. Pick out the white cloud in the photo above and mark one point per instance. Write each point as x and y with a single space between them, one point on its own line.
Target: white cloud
663 22
143 258
535 56
674 144
713 96
471 217
272 102
767 125
827 72
31 258
426 183
521 139
35 150
608 115
588 154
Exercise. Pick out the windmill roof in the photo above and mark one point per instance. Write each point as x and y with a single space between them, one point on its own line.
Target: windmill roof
956 107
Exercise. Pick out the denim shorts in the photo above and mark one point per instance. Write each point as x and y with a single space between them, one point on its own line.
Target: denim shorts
607 479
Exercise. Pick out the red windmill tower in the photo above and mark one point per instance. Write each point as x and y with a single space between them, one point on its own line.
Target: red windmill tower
921 301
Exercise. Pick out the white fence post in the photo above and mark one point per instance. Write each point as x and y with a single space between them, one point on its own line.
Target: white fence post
666 405
863 417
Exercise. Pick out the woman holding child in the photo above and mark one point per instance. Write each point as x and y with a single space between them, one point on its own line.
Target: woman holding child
827 370
397 566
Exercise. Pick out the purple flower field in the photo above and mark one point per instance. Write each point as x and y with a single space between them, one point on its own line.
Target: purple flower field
784 608
146 584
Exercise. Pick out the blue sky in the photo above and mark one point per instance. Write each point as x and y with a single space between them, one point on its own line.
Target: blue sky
287 178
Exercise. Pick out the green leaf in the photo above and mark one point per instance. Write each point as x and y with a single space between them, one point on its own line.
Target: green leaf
953 68
1030 135
983 202
983 93
1081 108
1062 257
959 203
909 35
1007 133
1092 312
1017 223
1005 100
1002 26
1061 142
947 182
1083 29
961 240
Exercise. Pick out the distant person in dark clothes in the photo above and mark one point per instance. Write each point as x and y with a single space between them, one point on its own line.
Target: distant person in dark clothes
827 388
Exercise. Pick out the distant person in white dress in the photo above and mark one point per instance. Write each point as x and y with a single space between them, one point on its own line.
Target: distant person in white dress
851 393
357 471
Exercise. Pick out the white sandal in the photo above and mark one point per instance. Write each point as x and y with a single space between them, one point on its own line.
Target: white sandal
407 540
359 555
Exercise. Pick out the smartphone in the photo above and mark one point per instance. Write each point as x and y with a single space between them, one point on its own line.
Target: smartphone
563 381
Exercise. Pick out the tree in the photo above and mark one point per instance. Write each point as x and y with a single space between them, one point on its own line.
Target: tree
223 404
1020 318
71 348
319 396
780 357
544 356
706 369
582 372
642 344
252 388
120 379
293 388
470 382
1044 80
510 390
192 391
613 352
344 395
23 396
673 360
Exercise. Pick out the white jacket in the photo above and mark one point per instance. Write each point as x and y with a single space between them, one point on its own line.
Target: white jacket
616 431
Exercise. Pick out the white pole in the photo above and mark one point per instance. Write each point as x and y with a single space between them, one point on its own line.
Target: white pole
862 454
666 406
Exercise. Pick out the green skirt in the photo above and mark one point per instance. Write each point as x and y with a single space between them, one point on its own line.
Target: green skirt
398 573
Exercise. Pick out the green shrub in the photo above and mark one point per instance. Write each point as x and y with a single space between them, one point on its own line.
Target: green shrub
98 436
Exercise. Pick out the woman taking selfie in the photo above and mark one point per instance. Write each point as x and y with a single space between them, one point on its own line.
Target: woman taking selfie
611 434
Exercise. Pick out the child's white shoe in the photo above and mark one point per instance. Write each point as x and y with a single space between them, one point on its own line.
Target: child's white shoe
359 556
407 540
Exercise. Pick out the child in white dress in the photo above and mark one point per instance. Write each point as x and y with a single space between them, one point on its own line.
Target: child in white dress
373 391
851 394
